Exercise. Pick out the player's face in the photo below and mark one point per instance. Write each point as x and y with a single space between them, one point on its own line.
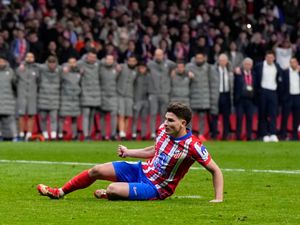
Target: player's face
132 62
30 58
72 62
52 65
2 63
294 63
223 61
247 65
142 69
109 60
173 125
91 58
270 58
180 68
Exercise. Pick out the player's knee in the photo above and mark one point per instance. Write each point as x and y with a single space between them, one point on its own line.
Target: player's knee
112 190
96 171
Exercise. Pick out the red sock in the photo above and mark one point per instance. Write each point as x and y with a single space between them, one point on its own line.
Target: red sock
80 181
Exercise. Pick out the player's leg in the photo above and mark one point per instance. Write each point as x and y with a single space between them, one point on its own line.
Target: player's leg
132 184
74 127
82 180
135 118
121 117
30 123
21 127
43 123
144 117
103 123
128 191
61 122
128 113
153 102
92 120
53 119
113 124
85 121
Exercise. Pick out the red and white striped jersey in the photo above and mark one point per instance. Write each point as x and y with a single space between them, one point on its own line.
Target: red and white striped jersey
172 160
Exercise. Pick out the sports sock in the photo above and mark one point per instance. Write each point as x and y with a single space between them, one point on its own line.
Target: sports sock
80 181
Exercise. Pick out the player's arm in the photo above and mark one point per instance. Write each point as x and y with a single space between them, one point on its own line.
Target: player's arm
144 153
218 182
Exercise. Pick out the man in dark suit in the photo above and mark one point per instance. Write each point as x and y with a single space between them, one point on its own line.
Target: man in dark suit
267 82
290 97
244 97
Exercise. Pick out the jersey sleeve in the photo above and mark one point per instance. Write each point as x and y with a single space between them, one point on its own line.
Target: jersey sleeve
200 154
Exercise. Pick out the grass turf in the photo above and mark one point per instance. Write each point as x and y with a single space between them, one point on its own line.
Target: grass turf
250 198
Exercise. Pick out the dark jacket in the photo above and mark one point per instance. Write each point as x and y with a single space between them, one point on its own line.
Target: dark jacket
285 86
240 90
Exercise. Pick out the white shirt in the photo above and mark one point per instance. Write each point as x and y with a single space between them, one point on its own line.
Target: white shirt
226 77
283 56
294 82
268 80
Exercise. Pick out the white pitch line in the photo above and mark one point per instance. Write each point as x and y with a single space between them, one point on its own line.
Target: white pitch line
192 168
188 196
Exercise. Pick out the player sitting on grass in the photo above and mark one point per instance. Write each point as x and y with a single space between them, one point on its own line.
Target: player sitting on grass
175 150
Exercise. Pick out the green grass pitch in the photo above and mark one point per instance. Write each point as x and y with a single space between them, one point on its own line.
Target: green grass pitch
252 195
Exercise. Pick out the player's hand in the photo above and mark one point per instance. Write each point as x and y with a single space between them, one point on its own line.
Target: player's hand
237 71
216 201
65 69
22 67
191 75
122 151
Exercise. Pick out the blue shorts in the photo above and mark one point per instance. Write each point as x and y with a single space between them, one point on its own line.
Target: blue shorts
140 187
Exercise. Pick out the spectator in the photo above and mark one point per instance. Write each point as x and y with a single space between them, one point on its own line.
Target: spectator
51 51
235 57
36 47
19 47
67 51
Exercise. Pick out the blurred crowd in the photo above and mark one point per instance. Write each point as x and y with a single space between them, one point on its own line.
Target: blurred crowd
130 58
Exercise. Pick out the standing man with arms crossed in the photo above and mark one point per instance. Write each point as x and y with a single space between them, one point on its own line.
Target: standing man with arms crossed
175 150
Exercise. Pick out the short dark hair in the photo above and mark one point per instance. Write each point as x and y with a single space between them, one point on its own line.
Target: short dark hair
52 59
270 52
181 110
